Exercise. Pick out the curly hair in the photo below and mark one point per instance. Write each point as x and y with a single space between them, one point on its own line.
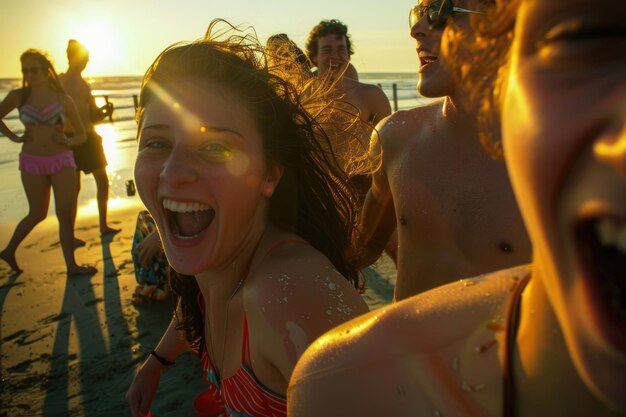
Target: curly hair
480 65
46 66
323 28
313 198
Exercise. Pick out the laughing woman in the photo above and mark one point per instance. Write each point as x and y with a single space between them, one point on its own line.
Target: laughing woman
46 161
547 339
252 216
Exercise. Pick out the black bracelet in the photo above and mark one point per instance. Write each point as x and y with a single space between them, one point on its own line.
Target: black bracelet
163 361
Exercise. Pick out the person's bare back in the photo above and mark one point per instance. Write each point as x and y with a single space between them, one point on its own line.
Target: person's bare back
454 208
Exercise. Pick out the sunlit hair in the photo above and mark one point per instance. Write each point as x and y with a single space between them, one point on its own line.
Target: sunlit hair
279 47
480 64
46 67
75 49
312 199
323 28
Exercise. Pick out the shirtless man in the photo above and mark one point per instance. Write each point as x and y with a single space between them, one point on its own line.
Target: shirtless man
90 156
328 47
451 202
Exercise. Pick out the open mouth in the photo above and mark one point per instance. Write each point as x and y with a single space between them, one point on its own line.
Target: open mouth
188 220
602 243
426 58
334 66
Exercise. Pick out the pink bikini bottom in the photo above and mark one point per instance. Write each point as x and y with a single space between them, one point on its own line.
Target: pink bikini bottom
46 164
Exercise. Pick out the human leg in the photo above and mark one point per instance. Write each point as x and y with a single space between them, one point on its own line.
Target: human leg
63 184
77 184
37 189
102 185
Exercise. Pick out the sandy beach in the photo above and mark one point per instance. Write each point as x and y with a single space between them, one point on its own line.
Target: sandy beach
70 346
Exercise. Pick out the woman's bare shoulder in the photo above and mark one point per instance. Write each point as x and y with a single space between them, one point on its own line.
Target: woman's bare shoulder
298 286
402 341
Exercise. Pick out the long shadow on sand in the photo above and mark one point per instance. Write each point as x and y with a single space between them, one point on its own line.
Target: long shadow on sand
5 287
87 383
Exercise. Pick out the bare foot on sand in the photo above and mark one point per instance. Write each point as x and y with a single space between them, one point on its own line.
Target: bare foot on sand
10 260
79 243
109 231
81 270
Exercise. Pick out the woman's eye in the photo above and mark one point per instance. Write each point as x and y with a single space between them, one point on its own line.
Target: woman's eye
217 150
574 40
153 143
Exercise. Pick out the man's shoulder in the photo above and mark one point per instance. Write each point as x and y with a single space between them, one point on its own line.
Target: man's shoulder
406 124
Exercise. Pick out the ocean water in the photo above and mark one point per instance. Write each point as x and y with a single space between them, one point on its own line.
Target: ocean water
119 139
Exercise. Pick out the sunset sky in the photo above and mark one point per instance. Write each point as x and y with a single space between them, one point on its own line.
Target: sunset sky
124 36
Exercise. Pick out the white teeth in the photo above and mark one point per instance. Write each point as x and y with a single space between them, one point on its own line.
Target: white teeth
611 233
184 207
426 54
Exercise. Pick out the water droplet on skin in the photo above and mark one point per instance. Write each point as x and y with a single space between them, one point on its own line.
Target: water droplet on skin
332 286
455 364
479 387
495 325
485 346
467 283
437 413
329 312
465 386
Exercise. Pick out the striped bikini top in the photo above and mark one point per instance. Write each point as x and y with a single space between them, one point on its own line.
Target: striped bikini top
49 115
242 394
239 395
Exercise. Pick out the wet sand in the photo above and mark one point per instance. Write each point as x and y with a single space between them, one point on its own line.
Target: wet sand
70 346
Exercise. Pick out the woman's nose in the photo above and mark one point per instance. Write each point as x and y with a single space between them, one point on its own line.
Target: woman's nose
179 167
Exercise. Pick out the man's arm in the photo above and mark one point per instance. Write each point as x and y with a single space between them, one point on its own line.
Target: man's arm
378 103
98 114
378 217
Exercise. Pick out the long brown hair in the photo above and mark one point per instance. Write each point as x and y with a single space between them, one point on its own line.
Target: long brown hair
46 66
480 66
313 198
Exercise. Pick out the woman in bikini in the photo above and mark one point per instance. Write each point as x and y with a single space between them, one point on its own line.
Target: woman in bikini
548 339
253 216
46 161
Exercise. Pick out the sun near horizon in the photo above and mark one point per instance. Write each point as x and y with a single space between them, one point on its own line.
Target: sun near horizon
123 37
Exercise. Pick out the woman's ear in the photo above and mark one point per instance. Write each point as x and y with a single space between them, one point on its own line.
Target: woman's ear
272 178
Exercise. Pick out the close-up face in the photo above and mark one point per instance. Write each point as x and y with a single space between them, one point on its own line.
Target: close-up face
564 136
32 71
201 173
332 55
427 21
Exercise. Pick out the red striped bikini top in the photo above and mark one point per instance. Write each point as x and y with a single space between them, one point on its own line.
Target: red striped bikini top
239 395
242 394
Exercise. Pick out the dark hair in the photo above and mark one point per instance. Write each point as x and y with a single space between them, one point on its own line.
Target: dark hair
75 48
323 28
480 64
280 47
312 199
46 66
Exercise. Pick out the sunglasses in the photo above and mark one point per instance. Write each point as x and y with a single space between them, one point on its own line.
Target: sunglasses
436 12
33 70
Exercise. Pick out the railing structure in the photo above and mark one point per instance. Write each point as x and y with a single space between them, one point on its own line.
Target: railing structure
106 97
121 101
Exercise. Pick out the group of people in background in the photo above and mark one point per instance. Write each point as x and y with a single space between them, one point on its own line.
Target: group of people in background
59 141
271 187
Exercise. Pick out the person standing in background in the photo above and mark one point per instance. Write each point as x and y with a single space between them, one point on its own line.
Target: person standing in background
89 157
46 162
